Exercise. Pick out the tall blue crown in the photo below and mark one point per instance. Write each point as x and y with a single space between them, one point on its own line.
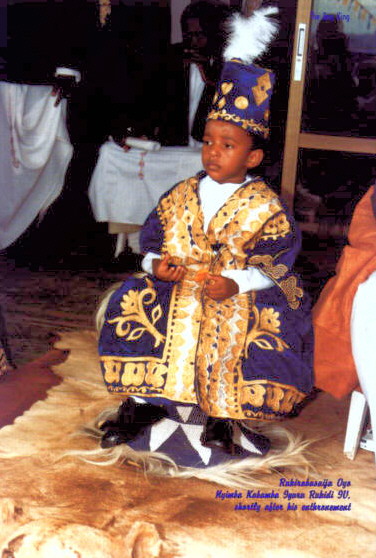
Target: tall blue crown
245 89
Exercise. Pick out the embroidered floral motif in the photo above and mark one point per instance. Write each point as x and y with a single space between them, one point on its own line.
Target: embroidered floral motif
292 291
112 370
245 122
265 263
155 375
132 306
136 377
133 374
264 331
274 397
277 227
253 394
278 398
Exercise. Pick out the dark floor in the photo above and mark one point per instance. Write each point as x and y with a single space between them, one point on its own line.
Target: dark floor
37 304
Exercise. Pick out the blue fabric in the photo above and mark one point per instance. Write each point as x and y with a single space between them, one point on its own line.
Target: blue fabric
267 369
181 442
243 97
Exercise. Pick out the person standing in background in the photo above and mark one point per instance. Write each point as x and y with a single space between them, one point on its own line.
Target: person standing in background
193 69
112 61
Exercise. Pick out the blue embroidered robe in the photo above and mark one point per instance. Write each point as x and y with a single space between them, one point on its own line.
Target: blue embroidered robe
248 357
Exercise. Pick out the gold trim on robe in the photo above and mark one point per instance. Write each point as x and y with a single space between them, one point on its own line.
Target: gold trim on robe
206 341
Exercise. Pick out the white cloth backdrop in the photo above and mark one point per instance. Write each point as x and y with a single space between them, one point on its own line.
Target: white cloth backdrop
35 152
120 194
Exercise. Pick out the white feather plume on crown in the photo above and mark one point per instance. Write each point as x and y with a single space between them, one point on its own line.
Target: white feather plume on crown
250 36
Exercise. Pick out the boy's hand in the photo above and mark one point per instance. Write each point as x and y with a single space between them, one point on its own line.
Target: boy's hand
219 288
166 272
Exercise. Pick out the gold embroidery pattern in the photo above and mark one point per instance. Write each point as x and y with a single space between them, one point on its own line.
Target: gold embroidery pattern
172 374
265 262
292 291
288 286
112 369
205 341
241 102
260 93
221 103
137 377
223 330
277 397
277 227
182 222
132 306
241 219
265 330
245 122
133 374
183 234
183 332
226 87
260 90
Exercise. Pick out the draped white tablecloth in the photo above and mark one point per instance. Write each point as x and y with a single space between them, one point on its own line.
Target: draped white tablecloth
35 152
126 186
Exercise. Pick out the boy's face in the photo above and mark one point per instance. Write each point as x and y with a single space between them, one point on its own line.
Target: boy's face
227 152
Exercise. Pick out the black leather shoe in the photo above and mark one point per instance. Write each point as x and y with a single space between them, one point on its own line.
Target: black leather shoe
218 434
114 437
131 420
261 442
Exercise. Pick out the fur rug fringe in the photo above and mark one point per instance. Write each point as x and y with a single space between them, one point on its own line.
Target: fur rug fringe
289 454
103 303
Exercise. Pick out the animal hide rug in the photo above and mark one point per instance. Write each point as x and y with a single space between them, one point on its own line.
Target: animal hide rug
61 507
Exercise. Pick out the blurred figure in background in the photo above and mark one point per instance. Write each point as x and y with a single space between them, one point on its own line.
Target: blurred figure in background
193 69
331 91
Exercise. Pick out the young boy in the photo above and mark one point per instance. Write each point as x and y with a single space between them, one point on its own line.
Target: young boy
218 331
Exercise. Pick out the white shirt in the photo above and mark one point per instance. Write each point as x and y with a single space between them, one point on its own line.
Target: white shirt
196 88
212 196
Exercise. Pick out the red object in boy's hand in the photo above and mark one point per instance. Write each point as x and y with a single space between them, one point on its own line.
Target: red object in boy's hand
201 275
